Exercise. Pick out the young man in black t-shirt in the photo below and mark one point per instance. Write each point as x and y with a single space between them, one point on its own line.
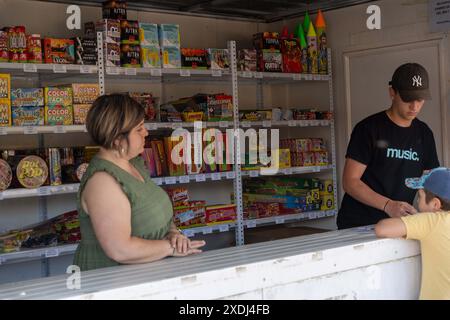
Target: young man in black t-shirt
384 150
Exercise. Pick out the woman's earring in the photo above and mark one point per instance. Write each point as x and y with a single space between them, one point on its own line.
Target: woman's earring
122 151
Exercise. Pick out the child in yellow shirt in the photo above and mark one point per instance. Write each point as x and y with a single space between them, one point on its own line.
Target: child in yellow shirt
431 227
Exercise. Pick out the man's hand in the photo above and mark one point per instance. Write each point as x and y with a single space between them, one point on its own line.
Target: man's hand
193 248
396 209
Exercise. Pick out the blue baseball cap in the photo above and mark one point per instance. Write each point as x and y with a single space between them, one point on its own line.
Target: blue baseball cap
437 181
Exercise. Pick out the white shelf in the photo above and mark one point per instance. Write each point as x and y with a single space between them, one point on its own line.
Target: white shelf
161 73
30 68
222 227
42 129
39 192
286 123
282 76
176 125
73 188
288 171
310 215
34 254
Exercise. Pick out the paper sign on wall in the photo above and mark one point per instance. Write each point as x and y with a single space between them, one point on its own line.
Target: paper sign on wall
439 15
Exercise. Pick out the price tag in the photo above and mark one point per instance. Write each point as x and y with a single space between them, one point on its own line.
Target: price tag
279 220
297 76
292 123
254 173
215 176
251 224
246 124
288 171
188 233
44 191
321 214
156 72
30 130
230 175
49 253
267 124
113 71
152 126
29 67
247 74
316 77
176 125
185 73
316 169
258 75
312 215
58 189
200 178
3 131
184 179
130 71
59 68
216 73
308 76
157 181
86 69
224 228
324 123
207 230
223 124
304 123
60 129
170 180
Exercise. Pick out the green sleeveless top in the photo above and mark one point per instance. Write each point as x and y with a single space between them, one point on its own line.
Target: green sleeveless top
151 211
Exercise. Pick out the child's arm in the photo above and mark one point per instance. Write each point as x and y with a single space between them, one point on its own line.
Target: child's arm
390 228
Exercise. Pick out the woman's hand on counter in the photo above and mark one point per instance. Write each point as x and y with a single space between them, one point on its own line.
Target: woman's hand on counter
179 241
396 209
192 249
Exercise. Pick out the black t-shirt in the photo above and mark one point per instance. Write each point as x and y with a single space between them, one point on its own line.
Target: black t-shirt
392 154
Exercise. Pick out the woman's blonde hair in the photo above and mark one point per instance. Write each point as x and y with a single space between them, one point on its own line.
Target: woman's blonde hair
112 117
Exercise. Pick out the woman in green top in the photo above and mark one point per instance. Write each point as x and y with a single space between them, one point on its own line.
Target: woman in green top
125 218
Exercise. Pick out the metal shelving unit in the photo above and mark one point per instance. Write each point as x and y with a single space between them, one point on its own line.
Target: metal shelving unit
161 75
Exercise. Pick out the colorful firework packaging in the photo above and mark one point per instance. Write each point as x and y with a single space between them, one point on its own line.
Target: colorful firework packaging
5 175
32 172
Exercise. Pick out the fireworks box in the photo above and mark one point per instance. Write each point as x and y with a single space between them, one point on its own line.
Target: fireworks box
266 41
5 100
58 96
58 115
169 146
178 196
326 187
114 9
4 54
150 57
27 115
34 48
194 58
80 113
129 32
84 93
219 59
169 35
130 55
85 45
147 101
220 213
270 61
89 30
27 97
110 29
54 166
59 51
247 60
148 34
86 58
255 115
291 53
112 54
220 107
5 86
327 202
171 57
191 215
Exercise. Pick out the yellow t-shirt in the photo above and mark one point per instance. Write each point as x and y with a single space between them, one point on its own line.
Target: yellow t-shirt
433 232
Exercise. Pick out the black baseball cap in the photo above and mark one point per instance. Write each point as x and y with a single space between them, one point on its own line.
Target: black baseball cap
411 82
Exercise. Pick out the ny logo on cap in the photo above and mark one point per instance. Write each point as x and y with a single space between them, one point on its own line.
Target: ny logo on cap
417 81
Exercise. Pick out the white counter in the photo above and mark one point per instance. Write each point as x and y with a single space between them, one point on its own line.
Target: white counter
347 264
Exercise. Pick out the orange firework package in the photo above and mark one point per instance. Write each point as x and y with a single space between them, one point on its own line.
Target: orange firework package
32 172
190 215
220 213
60 51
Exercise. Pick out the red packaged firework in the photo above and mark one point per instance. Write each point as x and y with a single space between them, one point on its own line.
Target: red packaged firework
220 213
34 48
192 214
291 52
178 196
5 175
4 55
59 51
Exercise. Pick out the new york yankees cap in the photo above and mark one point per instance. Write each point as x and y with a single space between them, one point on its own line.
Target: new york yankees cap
411 82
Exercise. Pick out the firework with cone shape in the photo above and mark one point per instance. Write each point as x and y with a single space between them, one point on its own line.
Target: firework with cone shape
312 49
300 35
322 43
